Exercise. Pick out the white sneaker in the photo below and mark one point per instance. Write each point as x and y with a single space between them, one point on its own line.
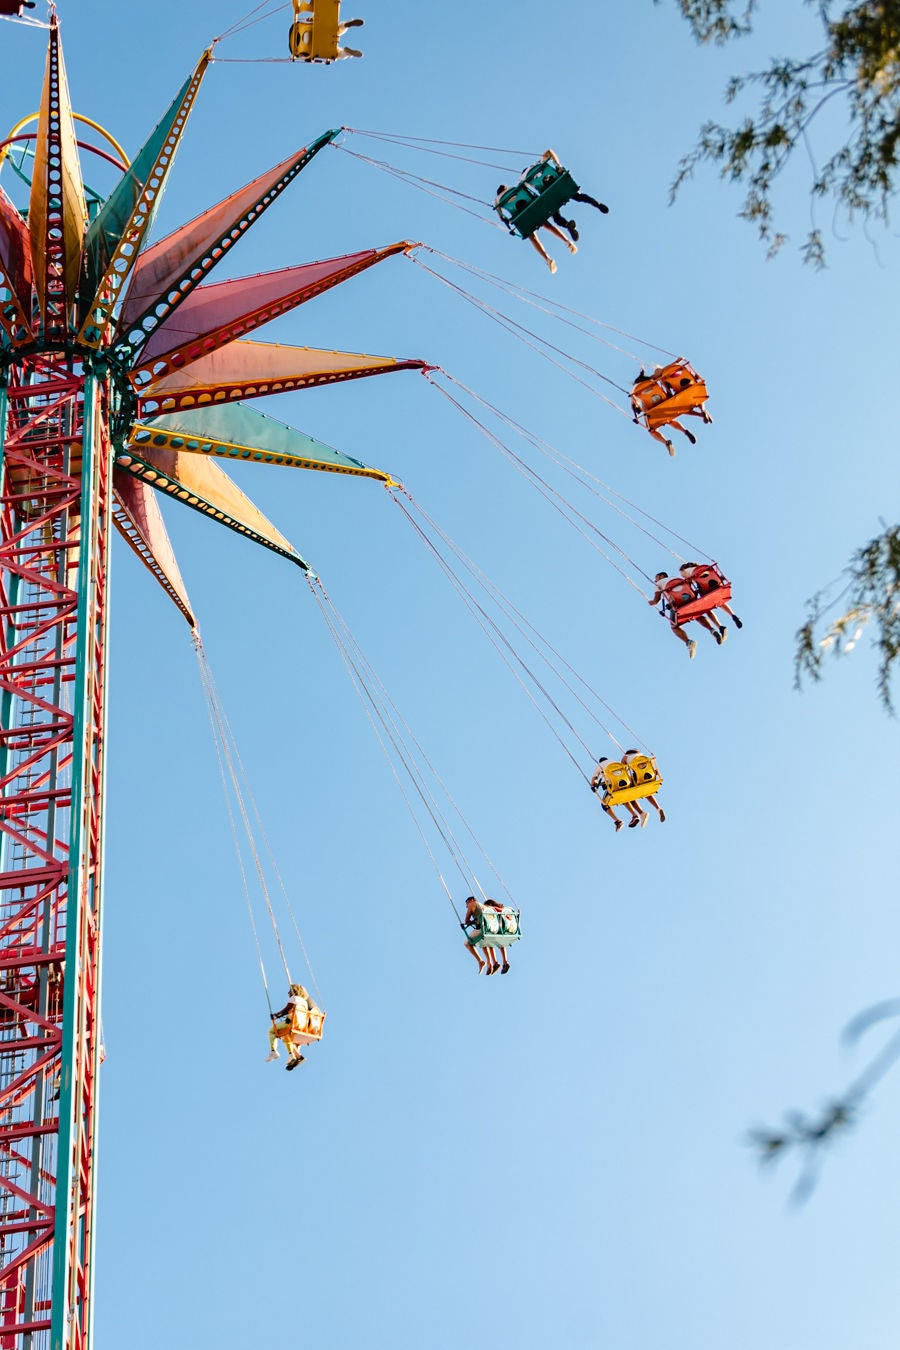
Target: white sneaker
273 1054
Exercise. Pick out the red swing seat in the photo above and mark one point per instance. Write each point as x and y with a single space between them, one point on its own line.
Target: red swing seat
715 588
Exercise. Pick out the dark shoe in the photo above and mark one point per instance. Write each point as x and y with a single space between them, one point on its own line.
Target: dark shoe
354 23
691 437
737 622
718 637
573 231
504 968
292 1064
662 815
604 209
635 820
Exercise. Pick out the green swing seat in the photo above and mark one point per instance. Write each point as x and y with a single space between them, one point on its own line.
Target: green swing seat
540 193
497 928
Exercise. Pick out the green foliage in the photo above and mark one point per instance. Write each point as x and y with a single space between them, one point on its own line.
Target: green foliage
712 20
857 65
870 594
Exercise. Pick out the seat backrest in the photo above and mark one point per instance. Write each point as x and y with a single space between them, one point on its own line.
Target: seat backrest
648 393
491 923
678 592
514 199
644 768
616 775
708 579
542 174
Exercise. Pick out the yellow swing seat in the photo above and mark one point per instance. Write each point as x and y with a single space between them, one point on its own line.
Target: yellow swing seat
315 38
630 782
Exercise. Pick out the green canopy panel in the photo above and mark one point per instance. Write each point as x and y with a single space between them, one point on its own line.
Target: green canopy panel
116 235
238 432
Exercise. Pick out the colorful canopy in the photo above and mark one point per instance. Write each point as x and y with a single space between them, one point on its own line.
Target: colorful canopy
237 432
201 484
179 355
255 369
167 273
213 316
138 519
57 211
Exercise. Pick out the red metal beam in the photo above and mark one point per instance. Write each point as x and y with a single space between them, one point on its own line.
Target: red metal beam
54 517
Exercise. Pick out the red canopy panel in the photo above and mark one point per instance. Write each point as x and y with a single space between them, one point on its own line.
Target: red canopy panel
16 273
166 273
255 369
138 519
217 314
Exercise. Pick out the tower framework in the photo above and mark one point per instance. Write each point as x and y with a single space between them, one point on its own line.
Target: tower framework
104 403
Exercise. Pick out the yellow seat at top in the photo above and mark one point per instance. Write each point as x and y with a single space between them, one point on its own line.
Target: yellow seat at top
316 38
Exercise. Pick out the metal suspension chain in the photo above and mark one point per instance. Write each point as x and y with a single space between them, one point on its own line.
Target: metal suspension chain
222 739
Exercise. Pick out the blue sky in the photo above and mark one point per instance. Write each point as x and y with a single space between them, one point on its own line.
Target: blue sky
556 1158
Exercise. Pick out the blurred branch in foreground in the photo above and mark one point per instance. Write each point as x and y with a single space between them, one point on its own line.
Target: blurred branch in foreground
870 591
807 1137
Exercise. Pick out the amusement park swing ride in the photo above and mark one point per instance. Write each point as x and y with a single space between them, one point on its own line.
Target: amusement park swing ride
123 375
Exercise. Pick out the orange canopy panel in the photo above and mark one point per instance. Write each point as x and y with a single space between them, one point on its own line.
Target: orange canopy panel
201 484
56 219
139 520
254 369
172 268
214 315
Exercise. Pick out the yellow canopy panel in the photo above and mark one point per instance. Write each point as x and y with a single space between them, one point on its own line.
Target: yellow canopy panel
201 484
57 212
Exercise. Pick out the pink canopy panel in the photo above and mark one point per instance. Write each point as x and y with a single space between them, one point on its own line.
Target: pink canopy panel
139 520
174 266
216 314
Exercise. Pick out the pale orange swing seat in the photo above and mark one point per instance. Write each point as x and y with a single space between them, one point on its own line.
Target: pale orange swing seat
289 1030
672 391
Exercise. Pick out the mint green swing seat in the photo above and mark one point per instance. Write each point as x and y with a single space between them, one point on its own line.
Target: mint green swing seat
495 928
539 194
